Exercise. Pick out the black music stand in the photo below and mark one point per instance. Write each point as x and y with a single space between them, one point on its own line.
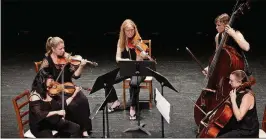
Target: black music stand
163 82
101 82
136 68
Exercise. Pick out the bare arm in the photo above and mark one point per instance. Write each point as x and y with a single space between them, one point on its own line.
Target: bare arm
241 41
118 54
238 37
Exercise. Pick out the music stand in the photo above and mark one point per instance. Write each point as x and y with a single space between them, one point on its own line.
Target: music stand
101 82
163 82
136 68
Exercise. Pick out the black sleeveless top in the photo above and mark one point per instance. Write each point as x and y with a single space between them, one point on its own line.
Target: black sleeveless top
249 125
131 54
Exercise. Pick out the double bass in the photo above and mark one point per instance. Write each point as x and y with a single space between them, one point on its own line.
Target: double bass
219 117
225 60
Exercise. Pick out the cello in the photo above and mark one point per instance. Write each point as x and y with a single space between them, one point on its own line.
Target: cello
225 60
220 115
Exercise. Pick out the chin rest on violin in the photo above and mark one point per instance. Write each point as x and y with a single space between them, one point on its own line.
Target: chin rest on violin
55 88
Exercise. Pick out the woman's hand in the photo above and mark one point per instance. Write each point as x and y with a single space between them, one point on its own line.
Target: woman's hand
233 95
230 31
61 113
205 71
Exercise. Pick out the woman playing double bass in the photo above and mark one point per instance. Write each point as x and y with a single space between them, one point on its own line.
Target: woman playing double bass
243 104
228 56
235 40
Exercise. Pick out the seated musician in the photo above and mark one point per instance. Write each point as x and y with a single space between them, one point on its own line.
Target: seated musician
78 110
244 109
126 52
46 114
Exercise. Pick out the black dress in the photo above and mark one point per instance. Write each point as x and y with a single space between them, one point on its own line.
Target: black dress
42 126
248 127
78 110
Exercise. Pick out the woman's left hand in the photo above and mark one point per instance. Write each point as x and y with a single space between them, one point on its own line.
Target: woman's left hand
230 31
233 95
83 62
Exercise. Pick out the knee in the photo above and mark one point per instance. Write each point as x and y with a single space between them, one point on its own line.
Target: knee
75 128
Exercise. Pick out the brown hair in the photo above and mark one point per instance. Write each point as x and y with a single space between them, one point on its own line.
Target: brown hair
52 42
223 18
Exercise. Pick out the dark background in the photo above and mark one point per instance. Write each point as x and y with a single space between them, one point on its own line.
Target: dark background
91 28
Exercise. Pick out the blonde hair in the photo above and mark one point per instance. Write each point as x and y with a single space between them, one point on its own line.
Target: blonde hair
223 18
123 40
240 75
52 42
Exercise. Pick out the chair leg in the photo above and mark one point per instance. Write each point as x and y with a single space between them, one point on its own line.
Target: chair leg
124 95
151 95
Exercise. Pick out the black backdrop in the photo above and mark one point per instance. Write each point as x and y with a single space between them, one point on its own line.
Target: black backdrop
91 28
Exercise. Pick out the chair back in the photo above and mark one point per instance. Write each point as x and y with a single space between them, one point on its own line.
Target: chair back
37 65
19 103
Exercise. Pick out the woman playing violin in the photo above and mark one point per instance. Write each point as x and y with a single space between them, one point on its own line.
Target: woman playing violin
45 111
235 40
244 109
78 110
126 50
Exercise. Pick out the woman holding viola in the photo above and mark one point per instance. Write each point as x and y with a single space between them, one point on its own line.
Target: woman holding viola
46 113
55 60
244 109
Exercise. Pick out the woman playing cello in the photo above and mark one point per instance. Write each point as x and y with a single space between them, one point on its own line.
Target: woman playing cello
243 107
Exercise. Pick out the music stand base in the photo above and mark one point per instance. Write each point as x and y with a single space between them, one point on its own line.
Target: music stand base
138 128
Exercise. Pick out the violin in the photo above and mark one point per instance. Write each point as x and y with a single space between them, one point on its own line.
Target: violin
141 47
68 88
74 60
220 115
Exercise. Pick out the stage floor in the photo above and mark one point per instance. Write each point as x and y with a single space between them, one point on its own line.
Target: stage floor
184 74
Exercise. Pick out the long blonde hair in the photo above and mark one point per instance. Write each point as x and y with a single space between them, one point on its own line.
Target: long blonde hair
52 42
123 40
240 75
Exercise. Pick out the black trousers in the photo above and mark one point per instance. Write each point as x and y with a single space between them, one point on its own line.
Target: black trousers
78 111
64 127
239 134
134 88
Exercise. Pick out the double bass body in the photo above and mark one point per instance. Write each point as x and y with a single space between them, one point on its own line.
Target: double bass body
229 60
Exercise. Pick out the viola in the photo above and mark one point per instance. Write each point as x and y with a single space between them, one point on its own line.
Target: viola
74 60
68 88
217 119
141 47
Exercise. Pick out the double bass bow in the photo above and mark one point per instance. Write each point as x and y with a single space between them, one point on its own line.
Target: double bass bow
220 115
216 82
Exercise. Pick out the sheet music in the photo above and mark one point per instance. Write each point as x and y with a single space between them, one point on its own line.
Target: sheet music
163 105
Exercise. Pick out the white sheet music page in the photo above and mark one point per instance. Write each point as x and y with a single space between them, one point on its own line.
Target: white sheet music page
162 105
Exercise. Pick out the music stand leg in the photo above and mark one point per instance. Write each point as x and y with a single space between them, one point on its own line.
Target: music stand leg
107 121
103 125
162 121
139 127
